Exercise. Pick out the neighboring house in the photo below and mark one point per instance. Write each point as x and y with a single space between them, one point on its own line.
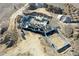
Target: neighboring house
64 19
37 5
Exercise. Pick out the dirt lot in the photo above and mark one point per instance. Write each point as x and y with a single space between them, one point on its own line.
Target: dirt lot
34 44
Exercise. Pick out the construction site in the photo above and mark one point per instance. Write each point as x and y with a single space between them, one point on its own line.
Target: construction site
39 29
